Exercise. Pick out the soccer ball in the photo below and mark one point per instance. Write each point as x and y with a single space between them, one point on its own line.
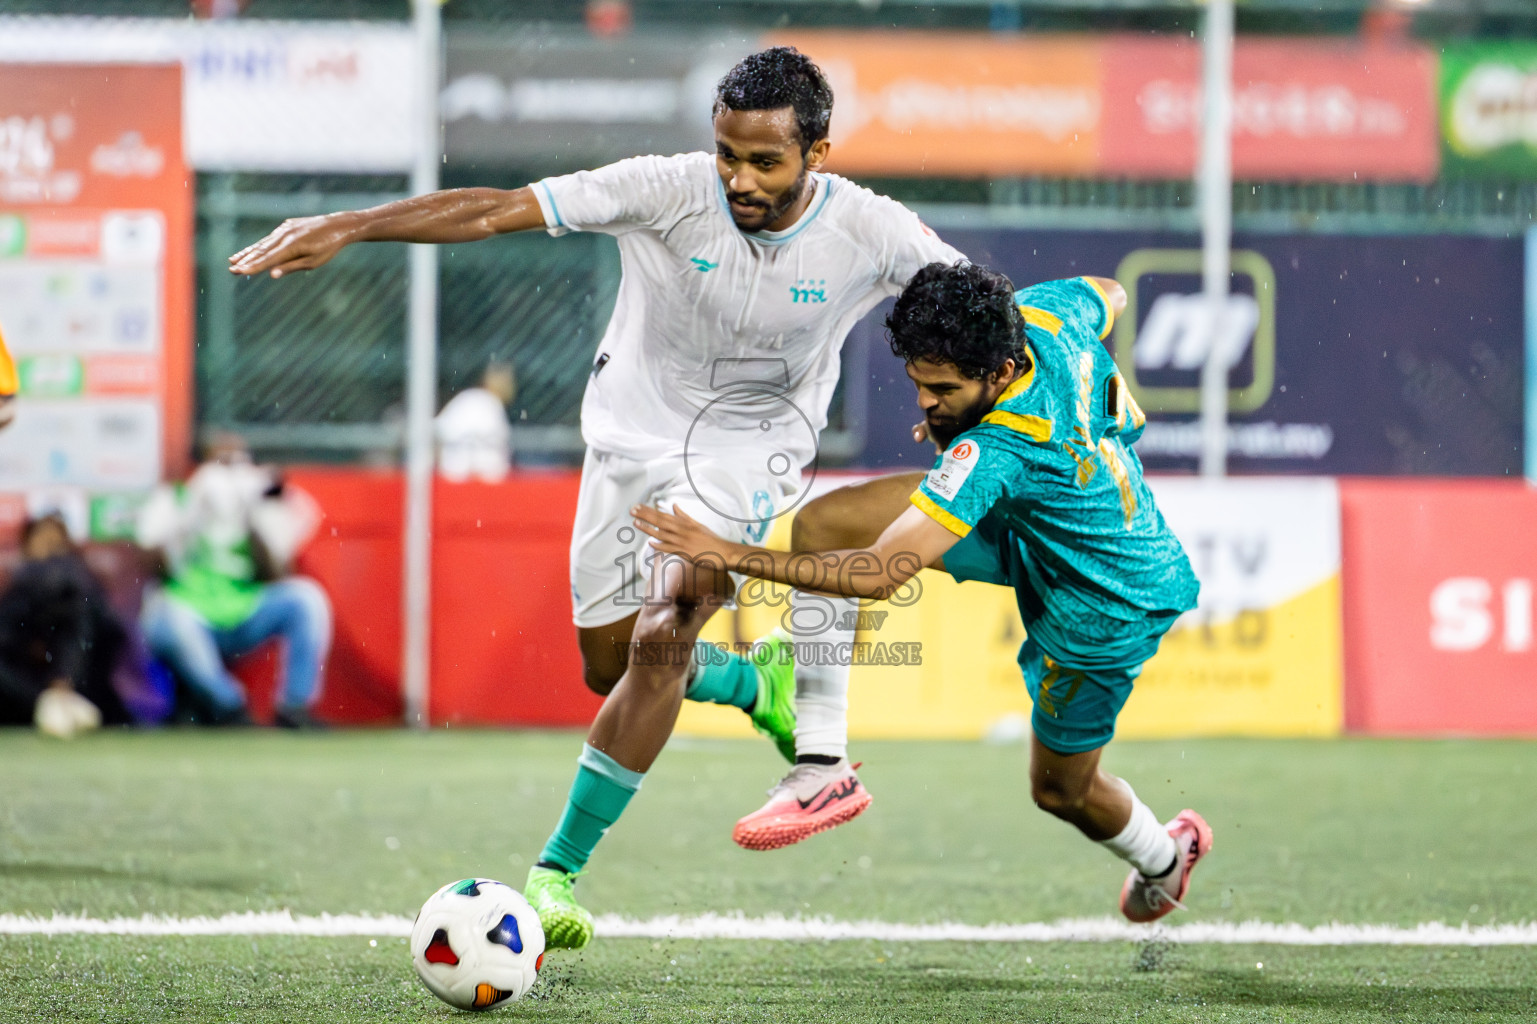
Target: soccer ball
477 944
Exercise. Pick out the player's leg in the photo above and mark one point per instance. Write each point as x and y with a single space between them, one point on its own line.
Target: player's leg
630 729
607 568
296 611
848 517
609 575
740 497
181 638
639 713
1073 720
605 653
822 790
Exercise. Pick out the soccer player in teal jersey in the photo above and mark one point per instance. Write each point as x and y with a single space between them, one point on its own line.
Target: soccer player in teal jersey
1036 487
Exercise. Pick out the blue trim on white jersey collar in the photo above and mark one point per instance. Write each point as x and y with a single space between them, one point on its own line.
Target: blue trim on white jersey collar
824 186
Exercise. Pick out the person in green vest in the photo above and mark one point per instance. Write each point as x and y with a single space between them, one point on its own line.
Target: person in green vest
225 540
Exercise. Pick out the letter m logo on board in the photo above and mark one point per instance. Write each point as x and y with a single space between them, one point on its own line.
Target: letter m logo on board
1167 333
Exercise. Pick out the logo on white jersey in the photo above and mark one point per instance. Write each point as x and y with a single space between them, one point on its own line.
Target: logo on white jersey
946 478
809 290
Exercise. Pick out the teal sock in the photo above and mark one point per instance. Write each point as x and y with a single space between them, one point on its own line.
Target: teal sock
723 677
599 794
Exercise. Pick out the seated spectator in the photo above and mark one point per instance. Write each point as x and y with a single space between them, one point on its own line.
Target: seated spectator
226 540
59 638
474 438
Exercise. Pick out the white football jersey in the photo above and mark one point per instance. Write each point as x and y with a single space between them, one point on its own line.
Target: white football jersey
722 338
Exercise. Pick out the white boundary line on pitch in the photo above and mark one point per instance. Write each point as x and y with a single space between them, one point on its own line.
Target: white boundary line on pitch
799 929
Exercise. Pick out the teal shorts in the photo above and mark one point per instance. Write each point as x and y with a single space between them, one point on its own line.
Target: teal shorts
1075 708
1079 667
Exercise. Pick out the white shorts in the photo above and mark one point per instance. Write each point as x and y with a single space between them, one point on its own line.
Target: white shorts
611 559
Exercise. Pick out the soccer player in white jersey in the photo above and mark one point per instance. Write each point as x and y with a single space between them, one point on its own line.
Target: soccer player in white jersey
743 272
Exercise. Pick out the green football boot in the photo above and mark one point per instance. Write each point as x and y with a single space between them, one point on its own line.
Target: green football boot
566 923
773 713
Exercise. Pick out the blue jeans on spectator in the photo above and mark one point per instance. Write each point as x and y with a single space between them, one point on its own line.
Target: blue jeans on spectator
295 610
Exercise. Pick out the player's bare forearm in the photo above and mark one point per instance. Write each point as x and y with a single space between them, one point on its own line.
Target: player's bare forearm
846 573
453 215
905 547
842 573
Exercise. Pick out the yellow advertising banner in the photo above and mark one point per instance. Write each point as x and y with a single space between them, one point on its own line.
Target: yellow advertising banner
1260 656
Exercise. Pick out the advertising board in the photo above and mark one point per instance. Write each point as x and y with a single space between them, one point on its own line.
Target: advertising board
1488 93
912 103
95 274
1260 655
972 105
259 95
567 100
1439 607
1302 110
1376 355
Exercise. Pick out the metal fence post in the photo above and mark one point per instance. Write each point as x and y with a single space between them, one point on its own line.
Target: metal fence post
1216 191
421 382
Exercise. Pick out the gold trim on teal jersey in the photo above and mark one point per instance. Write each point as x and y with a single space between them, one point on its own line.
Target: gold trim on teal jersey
1037 317
1020 384
1109 309
1036 428
932 509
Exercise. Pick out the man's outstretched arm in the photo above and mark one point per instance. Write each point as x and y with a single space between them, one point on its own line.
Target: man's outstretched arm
453 215
911 542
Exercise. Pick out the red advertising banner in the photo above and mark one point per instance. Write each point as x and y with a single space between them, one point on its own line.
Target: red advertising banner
504 650
95 274
1302 109
1439 631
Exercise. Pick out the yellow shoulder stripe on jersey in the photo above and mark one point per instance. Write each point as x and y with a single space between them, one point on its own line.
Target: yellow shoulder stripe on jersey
1022 383
1109 309
931 508
1040 318
1036 428
9 382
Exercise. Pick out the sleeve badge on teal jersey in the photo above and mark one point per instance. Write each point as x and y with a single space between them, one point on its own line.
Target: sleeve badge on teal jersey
946 478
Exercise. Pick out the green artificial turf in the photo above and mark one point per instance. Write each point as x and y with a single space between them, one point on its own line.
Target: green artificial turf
273 979
185 823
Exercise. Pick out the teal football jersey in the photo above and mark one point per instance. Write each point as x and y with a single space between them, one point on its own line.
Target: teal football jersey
1050 471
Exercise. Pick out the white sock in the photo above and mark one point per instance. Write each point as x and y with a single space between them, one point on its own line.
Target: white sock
1143 843
821 685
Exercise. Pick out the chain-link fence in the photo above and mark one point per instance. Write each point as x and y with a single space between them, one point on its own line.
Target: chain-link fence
312 366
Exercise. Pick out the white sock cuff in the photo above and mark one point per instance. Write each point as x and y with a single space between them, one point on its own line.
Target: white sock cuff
822 725
1144 843
821 679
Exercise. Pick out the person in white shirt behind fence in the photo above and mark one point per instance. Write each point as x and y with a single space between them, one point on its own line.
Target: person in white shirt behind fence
474 437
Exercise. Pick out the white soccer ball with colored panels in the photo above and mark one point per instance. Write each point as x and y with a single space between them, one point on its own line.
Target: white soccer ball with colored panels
477 944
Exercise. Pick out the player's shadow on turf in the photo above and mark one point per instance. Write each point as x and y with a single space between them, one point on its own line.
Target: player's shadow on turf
78 872
1392 1001
1176 990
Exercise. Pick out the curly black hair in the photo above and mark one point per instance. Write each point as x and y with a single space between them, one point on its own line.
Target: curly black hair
962 314
780 77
